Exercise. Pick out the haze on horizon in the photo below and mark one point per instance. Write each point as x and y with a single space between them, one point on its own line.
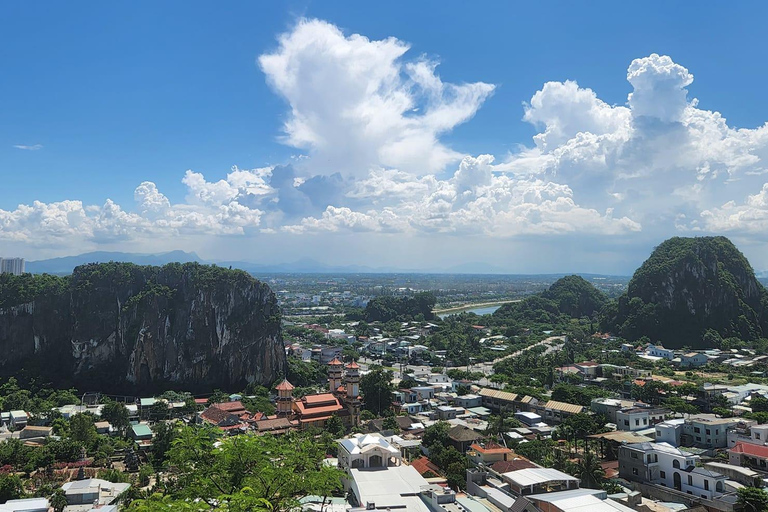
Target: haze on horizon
402 136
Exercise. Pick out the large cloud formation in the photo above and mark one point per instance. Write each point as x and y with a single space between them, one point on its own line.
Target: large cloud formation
370 121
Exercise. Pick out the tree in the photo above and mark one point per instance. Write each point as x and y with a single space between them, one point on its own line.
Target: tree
278 470
10 487
437 433
116 414
752 499
82 429
165 433
589 470
390 423
58 500
335 426
376 388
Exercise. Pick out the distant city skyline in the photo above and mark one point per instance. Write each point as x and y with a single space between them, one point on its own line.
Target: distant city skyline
405 136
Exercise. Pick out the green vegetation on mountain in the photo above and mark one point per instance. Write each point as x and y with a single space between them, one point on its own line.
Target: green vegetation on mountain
575 296
568 298
115 326
689 287
386 308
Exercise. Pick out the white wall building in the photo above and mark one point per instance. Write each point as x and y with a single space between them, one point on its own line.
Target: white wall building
14 266
663 464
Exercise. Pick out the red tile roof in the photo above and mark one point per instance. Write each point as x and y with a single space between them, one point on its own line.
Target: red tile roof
490 448
352 365
236 407
284 386
335 362
319 399
505 466
423 464
755 450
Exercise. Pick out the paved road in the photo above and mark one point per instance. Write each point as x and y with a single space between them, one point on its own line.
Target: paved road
484 368
487 368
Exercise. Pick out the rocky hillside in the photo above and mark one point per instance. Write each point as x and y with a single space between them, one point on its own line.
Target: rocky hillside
124 327
568 297
689 286
575 296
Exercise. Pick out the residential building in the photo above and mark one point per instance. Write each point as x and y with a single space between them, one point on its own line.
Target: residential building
26 505
462 437
701 431
639 418
505 402
555 412
754 434
749 455
488 453
659 351
93 491
693 360
575 500
468 401
538 480
15 266
665 465
528 418
624 372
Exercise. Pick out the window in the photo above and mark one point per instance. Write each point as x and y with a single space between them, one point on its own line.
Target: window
634 471
633 455
698 438
757 435
690 480
626 423
709 432
706 485
662 474
697 430
637 422
676 464
645 421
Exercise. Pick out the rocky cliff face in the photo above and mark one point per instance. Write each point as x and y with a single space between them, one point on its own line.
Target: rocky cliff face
689 286
121 326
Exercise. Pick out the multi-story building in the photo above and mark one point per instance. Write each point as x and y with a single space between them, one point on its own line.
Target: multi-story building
754 434
15 266
665 465
700 432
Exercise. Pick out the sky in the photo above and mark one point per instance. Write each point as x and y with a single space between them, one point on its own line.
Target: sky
531 138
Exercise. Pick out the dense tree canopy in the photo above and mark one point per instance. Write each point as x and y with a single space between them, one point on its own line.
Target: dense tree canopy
415 307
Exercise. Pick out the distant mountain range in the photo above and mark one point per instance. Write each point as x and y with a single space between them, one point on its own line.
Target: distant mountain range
66 264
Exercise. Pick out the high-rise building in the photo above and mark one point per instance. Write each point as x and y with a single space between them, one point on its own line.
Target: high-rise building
12 266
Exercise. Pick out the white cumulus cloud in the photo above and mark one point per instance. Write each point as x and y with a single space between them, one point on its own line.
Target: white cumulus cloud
356 104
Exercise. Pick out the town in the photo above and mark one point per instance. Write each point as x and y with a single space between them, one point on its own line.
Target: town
554 420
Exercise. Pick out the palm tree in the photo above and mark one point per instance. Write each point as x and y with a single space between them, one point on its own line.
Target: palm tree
58 500
589 470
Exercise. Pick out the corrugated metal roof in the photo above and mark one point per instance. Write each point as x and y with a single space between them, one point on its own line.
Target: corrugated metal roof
536 476
564 407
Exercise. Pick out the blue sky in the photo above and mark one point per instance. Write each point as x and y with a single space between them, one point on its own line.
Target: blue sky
97 99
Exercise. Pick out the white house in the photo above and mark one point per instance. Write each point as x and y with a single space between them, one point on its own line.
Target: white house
665 465
367 451
659 351
693 360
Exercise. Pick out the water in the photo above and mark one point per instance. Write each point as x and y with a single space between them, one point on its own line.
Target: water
486 310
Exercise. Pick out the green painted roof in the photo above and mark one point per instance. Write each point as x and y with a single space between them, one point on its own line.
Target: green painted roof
141 430
147 402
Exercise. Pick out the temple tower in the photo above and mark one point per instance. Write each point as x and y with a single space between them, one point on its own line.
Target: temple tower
284 398
335 369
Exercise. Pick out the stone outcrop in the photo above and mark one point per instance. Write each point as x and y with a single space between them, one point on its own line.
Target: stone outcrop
125 327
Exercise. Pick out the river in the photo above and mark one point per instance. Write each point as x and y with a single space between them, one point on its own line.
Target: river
484 310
